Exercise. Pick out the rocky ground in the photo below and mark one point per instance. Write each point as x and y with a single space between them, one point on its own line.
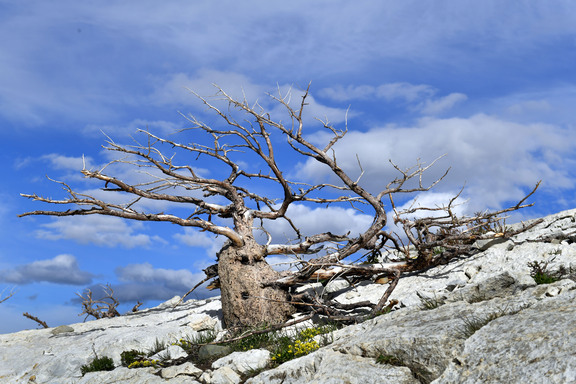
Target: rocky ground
481 319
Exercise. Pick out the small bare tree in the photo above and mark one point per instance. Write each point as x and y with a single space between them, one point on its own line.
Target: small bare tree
249 151
99 308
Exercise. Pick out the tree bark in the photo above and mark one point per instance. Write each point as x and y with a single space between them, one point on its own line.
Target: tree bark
245 301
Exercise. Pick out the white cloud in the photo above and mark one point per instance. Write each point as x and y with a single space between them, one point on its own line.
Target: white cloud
62 269
551 104
432 199
146 273
99 230
389 92
420 98
441 104
157 127
529 106
193 237
497 159
311 220
405 91
144 282
68 163
177 90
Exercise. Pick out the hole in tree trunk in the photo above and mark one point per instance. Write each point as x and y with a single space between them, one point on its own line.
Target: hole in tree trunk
245 295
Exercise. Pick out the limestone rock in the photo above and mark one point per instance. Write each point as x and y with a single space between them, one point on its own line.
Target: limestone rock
62 329
124 376
484 244
224 375
336 285
535 345
213 351
173 352
244 362
326 366
186 369
203 322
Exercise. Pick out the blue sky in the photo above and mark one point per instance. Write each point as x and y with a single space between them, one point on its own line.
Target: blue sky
490 84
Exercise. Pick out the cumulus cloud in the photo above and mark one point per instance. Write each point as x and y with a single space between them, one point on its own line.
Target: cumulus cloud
498 160
62 162
145 282
99 230
71 165
62 269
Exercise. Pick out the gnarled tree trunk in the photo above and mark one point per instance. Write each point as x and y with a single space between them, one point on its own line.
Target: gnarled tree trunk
245 302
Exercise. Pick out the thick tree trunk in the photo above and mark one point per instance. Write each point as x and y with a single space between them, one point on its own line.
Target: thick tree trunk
245 302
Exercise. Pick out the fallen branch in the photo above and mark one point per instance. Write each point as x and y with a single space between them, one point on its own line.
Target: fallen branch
34 318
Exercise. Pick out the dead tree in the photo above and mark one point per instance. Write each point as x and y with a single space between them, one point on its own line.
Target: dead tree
105 306
246 152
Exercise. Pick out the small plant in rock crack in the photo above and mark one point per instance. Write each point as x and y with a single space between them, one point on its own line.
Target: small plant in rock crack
103 363
255 341
288 348
429 302
137 359
471 325
131 356
540 273
191 343
158 346
474 323
144 364
388 359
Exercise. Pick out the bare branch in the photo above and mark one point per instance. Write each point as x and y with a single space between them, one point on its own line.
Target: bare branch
34 318
12 292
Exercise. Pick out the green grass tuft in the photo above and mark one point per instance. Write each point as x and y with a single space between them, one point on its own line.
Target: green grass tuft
98 364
